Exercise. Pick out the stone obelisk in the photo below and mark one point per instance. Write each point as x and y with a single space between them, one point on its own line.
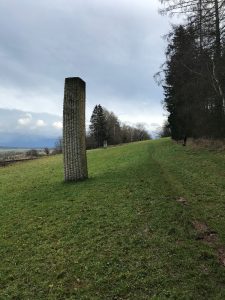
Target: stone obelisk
74 141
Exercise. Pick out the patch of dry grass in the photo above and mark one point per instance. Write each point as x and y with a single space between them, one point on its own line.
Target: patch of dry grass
211 144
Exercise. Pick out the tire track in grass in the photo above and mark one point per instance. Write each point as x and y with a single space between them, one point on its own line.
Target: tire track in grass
203 232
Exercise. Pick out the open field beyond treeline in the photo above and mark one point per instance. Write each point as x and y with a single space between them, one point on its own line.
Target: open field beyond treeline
148 224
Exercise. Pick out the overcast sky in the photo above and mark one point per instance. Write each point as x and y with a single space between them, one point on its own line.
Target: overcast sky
115 46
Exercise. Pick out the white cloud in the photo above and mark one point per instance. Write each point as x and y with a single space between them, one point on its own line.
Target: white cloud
40 123
16 122
26 120
57 125
155 124
20 98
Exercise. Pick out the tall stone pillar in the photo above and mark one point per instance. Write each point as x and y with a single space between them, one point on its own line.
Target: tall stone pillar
74 141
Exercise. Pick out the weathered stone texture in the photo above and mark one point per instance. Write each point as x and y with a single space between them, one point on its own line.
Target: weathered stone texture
74 142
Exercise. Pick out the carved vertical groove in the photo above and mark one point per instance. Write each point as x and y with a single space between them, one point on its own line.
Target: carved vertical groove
74 142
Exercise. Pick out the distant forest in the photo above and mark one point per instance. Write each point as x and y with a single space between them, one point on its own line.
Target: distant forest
193 75
105 126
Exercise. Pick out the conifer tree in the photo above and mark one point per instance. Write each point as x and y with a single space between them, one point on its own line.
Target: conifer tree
98 125
194 72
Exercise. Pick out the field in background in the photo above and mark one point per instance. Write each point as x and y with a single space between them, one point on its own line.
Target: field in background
19 154
12 155
148 224
13 149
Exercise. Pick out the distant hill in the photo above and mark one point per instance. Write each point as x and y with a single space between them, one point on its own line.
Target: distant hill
28 129
10 140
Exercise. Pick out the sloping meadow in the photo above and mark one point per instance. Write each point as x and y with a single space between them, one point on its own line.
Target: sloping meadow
131 231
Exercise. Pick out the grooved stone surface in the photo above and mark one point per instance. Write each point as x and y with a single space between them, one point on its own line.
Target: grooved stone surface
74 144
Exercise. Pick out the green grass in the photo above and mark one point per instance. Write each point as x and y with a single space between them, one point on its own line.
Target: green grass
119 235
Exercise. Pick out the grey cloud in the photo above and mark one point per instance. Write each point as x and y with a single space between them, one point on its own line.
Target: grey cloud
20 122
116 47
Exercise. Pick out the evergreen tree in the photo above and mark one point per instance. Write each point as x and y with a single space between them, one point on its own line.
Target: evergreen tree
178 83
194 72
187 92
98 125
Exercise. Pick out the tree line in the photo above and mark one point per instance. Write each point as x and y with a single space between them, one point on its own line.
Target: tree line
193 75
106 127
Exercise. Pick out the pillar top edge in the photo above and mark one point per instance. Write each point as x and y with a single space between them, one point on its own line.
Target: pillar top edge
74 79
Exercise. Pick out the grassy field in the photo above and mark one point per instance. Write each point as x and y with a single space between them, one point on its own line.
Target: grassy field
148 224
2 150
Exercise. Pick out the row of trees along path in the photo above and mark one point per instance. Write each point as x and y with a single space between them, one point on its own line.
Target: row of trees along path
105 126
193 75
